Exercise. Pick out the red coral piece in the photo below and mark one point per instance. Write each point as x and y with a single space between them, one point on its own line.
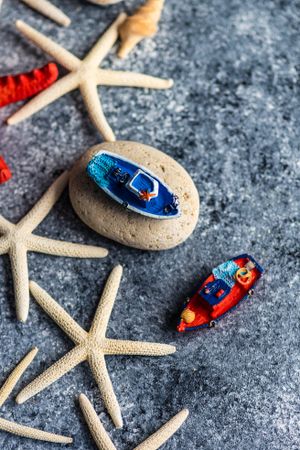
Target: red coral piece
14 88
5 173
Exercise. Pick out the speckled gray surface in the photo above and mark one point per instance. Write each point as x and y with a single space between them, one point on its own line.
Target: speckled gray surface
232 119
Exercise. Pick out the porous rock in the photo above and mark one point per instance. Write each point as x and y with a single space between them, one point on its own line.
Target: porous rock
112 220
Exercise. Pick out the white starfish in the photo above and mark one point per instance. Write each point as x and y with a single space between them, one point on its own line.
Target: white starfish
91 346
49 10
15 375
16 428
104 442
18 239
84 75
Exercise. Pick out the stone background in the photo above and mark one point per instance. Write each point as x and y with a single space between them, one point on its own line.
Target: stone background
233 121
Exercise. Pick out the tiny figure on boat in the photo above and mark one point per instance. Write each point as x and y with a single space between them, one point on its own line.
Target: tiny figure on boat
133 186
228 284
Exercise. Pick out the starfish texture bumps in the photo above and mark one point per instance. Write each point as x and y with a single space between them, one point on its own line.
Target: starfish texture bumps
16 428
90 346
49 10
104 442
17 240
16 374
84 75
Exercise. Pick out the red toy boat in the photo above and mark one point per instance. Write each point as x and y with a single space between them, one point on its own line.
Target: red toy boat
228 284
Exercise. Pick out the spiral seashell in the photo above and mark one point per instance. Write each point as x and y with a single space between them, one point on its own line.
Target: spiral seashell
143 23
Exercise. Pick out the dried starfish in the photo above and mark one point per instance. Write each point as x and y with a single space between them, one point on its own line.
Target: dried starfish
18 239
91 346
22 430
16 374
84 75
32 433
104 442
49 10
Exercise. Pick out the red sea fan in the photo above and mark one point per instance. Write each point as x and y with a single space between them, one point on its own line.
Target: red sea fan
14 88
5 173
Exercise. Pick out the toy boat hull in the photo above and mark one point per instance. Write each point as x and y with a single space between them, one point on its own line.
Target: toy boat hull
220 293
133 186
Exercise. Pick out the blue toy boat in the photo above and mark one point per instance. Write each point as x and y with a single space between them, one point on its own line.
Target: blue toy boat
133 186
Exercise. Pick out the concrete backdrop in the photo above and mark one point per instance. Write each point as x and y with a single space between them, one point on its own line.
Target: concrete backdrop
233 121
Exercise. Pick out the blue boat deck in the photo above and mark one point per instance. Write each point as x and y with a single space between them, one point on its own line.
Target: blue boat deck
133 186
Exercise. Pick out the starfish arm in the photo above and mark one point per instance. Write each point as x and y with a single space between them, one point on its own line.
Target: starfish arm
61 87
107 77
42 208
61 248
19 266
58 314
4 245
5 225
106 303
32 433
99 369
53 373
164 433
105 43
64 57
96 428
16 374
91 99
119 347
49 10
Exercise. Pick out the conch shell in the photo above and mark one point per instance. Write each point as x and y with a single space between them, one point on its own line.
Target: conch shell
143 23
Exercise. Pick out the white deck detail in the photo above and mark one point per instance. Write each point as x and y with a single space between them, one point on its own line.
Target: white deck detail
135 191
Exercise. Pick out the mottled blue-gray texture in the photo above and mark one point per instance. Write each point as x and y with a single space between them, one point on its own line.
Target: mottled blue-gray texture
233 121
